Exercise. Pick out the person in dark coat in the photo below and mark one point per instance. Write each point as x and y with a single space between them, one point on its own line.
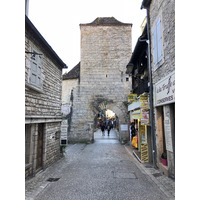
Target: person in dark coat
103 129
109 127
132 130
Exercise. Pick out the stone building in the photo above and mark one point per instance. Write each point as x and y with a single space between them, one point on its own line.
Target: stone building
43 85
139 108
161 27
69 83
105 51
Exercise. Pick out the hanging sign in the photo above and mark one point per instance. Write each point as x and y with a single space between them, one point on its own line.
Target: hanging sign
132 98
143 97
136 114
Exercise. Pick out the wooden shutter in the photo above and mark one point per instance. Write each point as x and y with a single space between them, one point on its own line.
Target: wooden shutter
33 77
159 40
39 71
36 71
155 45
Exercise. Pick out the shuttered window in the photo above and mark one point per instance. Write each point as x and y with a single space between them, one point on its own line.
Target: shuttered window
157 40
36 71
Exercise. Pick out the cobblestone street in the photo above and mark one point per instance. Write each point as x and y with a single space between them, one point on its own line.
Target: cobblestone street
104 169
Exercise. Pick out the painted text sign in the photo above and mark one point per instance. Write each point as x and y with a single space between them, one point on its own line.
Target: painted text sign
164 90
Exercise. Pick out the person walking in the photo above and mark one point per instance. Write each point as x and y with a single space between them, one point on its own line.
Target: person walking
109 127
103 129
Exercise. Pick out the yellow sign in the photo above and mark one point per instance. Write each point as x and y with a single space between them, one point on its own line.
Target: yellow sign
144 152
143 97
132 98
144 105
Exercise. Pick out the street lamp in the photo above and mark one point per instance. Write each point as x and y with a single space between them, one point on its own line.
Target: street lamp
129 68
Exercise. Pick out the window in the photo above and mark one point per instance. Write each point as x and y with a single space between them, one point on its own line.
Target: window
157 41
36 71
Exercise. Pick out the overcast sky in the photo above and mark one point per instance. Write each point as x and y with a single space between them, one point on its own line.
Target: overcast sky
58 21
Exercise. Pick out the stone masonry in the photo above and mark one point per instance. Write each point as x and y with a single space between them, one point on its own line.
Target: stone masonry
42 102
105 52
165 10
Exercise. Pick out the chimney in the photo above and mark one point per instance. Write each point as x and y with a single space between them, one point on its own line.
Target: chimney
26 7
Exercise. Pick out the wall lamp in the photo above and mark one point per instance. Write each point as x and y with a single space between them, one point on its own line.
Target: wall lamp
129 68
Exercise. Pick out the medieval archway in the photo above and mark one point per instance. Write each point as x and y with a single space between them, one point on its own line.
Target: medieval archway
101 109
109 119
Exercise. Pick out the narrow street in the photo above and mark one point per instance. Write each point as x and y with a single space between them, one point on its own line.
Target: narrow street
102 170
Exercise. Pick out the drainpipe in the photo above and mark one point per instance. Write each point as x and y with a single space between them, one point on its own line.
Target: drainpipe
151 94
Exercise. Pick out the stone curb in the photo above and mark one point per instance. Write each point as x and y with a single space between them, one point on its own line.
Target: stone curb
146 171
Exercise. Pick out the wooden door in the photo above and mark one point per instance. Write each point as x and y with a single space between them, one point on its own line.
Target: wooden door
40 146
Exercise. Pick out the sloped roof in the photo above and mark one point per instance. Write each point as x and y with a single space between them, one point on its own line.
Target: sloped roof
140 46
34 32
102 21
73 73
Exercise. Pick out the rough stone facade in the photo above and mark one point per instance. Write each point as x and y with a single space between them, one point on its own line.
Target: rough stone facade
165 10
69 83
105 52
42 102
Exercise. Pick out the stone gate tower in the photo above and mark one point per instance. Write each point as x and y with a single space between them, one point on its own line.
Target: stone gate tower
105 51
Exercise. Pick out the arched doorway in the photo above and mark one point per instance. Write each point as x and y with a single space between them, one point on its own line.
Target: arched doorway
109 119
105 109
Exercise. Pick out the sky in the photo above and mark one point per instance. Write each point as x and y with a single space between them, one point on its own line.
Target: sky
58 21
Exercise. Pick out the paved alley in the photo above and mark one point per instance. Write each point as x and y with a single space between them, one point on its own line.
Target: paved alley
102 170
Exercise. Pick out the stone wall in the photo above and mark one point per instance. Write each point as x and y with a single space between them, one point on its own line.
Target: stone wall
47 101
68 86
52 146
42 106
105 52
166 10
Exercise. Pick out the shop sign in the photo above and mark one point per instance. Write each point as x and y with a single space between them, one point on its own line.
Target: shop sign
144 121
142 133
164 90
132 98
143 97
144 117
167 127
144 105
144 152
144 113
136 114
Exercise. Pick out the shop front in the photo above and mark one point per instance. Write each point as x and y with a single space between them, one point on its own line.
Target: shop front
164 105
139 115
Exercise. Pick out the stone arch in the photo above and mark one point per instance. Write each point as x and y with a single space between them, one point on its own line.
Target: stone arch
117 107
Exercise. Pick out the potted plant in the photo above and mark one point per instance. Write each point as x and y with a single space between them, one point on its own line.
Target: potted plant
164 158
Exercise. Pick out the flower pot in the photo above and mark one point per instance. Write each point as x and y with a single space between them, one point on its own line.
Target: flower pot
164 161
